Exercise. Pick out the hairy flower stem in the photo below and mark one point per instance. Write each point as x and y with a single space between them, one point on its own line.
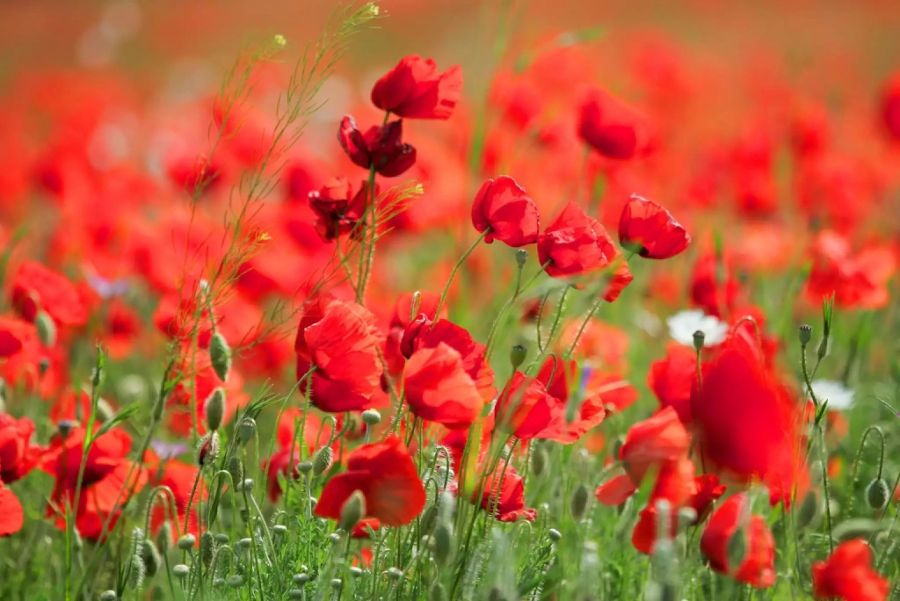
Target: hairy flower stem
456 267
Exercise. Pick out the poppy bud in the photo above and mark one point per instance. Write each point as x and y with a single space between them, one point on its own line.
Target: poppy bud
554 534
322 460
877 493
187 542
579 502
236 468
209 449
46 328
737 547
538 461
805 334
371 417
699 340
164 537
517 355
151 558
214 408
207 547
246 430
181 570
109 595
304 467
442 543
220 356
235 580
352 511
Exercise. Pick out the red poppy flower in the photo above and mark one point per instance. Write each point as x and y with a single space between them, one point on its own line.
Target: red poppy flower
610 127
616 490
179 477
649 229
857 280
890 107
621 278
438 389
37 288
316 433
15 335
675 483
341 340
848 575
338 209
757 568
671 379
574 244
420 335
17 455
196 381
747 422
657 440
503 496
380 147
107 480
11 515
505 212
414 89
385 474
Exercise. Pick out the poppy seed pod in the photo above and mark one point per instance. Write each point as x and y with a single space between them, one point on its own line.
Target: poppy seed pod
371 417
352 511
246 430
46 328
220 356
187 542
805 334
214 409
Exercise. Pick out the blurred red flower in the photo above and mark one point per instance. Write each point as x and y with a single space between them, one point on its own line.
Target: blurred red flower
757 568
613 129
890 107
504 210
414 89
36 288
672 378
847 574
385 474
659 439
857 280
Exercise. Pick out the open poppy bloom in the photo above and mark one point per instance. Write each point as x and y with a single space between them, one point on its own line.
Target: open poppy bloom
650 230
659 439
848 575
337 207
414 89
503 496
672 379
381 147
179 477
758 565
108 479
747 422
610 127
36 288
503 210
386 476
574 244
438 389
341 340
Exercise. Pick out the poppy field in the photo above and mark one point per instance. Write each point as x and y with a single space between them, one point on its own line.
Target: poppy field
449 300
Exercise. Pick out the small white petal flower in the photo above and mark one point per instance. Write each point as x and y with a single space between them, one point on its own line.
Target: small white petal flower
683 325
837 395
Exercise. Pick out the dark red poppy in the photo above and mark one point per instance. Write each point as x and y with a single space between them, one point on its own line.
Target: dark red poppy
504 210
414 89
650 230
672 378
341 340
890 107
438 389
11 515
848 575
108 479
758 566
37 288
659 439
381 147
613 129
386 475
574 244
17 455
747 423
337 207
